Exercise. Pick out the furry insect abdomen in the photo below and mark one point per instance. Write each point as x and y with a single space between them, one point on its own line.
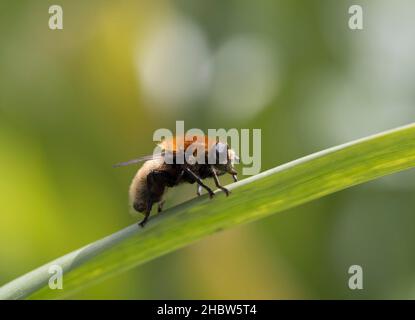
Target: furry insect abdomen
139 193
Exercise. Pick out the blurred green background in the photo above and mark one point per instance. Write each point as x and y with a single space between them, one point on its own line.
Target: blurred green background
75 101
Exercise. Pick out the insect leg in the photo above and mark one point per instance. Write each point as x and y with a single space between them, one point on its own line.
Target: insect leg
156 182
179 177
217 183
200 182
160 206
235 177
147 213
199 190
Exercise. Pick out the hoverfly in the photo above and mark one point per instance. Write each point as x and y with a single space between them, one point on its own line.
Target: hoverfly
156 175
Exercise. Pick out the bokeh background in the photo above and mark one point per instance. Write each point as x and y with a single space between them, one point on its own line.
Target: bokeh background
75 101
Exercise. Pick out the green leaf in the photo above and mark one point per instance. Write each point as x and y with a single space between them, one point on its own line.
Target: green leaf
259 196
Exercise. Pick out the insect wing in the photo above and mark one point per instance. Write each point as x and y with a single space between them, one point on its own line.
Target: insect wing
138 160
